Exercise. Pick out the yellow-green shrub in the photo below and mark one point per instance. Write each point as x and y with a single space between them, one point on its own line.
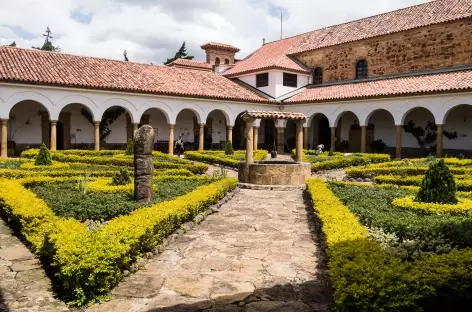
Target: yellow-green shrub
464 206
105 186
462 185
339 224
366 277
219 158
375 170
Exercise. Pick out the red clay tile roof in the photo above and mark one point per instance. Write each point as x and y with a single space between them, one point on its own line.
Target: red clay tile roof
442 82
274 115
275 54
434 12
269 56
218 45
190 64
38 67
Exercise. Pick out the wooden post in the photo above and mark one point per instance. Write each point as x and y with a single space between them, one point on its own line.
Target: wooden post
439 141
398 148
96 125
333 138
229 133
280 140
250 137
53 135
171 140
299 151
4 148
201 140
256 137
363 139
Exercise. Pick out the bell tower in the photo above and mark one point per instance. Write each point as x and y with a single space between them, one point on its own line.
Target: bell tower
219 53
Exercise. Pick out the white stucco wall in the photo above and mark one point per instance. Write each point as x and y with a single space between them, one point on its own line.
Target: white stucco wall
158 121
218 126
276 87
81 130
54 99
31 134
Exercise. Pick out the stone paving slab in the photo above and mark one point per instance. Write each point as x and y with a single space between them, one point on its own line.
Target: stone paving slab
256 254
24 285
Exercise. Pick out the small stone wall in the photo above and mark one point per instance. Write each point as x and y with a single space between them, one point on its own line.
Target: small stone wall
274 173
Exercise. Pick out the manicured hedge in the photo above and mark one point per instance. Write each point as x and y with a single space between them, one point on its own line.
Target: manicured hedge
462 185
366 277
219 158
376 170
117 160
338 160
464 206
87 264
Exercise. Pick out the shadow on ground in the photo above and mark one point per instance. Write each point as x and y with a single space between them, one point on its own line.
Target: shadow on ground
310 296
3 304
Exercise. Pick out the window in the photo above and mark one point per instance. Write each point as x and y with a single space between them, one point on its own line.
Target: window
361 69
226 61
217 61
262 80
290 80
318 76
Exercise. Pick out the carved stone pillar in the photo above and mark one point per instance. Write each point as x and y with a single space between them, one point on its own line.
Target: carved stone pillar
96 130
250 138
439 141
201 138
398 146
171 140
4 147
53 135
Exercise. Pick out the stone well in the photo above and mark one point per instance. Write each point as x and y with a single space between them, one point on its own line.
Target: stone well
274 173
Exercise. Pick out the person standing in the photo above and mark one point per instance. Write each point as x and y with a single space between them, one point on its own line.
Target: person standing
179 146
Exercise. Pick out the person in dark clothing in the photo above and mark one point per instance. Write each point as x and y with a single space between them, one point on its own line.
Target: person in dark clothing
179 146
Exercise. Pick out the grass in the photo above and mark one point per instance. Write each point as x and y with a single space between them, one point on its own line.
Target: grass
66 201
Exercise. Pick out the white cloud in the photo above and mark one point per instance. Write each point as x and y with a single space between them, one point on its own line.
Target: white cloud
152 30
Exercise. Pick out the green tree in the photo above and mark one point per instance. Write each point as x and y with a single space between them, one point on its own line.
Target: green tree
130 147
182 53
125 54
44 157
229 148
438 185
47 45
13 44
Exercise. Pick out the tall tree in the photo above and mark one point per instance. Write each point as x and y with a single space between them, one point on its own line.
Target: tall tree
13 44
47 45
182 53
125 54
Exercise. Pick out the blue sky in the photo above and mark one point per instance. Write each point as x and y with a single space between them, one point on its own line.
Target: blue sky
152 30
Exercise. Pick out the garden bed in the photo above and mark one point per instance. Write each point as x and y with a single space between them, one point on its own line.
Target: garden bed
329 161
388 258
45 204
220 158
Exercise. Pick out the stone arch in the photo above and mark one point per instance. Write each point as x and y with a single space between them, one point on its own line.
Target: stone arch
127 105
337 115
197 110
224 109
457 119
447 107
74 128
161 106
371 109
75 99
319 130
404 113
25 96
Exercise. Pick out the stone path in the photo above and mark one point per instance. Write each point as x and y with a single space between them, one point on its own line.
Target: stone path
23 283
256 254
